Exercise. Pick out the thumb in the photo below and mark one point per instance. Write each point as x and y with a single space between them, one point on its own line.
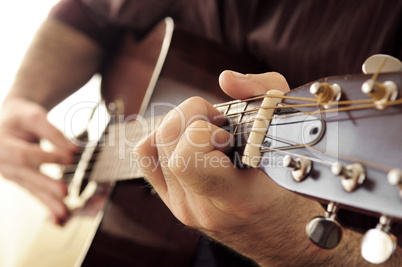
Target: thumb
241 86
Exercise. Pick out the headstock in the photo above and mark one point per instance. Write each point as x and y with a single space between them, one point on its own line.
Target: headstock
343 134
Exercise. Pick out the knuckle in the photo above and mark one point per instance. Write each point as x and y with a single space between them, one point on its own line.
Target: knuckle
167 136
36 114
21 157
195 100
200 124
183 213
209 221
199 134
180 165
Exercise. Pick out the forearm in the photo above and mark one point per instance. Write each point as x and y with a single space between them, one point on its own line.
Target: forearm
58 62
290 246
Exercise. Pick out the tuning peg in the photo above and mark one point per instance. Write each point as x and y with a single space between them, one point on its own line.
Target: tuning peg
301 167
373 63
378 244
326 93
351 175
380 92
395 178
325 231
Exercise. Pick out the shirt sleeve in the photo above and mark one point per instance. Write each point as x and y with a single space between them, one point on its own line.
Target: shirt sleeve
105 20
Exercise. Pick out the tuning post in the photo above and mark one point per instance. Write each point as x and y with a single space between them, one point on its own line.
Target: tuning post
381 93
351 175
301 167
379 244
326 93
325 231
395 178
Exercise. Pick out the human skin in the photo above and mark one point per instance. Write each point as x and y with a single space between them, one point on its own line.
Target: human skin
241 208
58 62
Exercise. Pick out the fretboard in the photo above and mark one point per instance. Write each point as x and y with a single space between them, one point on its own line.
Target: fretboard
115 159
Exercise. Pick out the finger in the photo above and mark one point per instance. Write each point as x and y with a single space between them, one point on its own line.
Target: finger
17 151
206 174
203 145
34 179
36 122
174 125
50 192
58 211
146 156
241 86
177 120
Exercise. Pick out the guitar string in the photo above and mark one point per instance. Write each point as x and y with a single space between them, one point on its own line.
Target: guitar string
263 96
346 102
315 112
340 103
296 146
349 102
389 103
301 105
374 165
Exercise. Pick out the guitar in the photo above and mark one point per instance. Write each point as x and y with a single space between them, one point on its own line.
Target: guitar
325 140
302 147
116 218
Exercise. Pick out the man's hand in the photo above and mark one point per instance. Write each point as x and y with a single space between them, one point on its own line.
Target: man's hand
59 60
22 125
241 208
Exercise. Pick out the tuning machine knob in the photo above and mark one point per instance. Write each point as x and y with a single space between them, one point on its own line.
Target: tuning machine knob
381 63
301 167
325 231
395 178
326 93
378 244
351 175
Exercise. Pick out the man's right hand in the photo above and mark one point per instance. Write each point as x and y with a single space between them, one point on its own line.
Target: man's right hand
22 125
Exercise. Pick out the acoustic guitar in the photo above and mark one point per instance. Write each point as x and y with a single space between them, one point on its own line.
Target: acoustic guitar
335 140
116 218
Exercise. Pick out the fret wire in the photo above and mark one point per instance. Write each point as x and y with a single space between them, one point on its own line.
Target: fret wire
241 117
103 168
227 110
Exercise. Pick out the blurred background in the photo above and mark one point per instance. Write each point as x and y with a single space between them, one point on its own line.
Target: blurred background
20 214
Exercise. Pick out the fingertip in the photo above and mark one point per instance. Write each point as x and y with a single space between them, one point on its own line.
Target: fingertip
58 215
241 86
227 80
60 190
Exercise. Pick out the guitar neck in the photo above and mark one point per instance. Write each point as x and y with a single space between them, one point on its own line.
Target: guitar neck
115 159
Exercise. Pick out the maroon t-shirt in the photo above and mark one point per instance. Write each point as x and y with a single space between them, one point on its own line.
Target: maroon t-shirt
303 40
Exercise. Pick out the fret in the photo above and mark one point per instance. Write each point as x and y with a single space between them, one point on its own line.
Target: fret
115 160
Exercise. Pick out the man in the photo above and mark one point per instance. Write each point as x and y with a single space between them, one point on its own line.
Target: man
303 41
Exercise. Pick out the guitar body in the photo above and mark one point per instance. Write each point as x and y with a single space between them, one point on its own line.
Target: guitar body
137 229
